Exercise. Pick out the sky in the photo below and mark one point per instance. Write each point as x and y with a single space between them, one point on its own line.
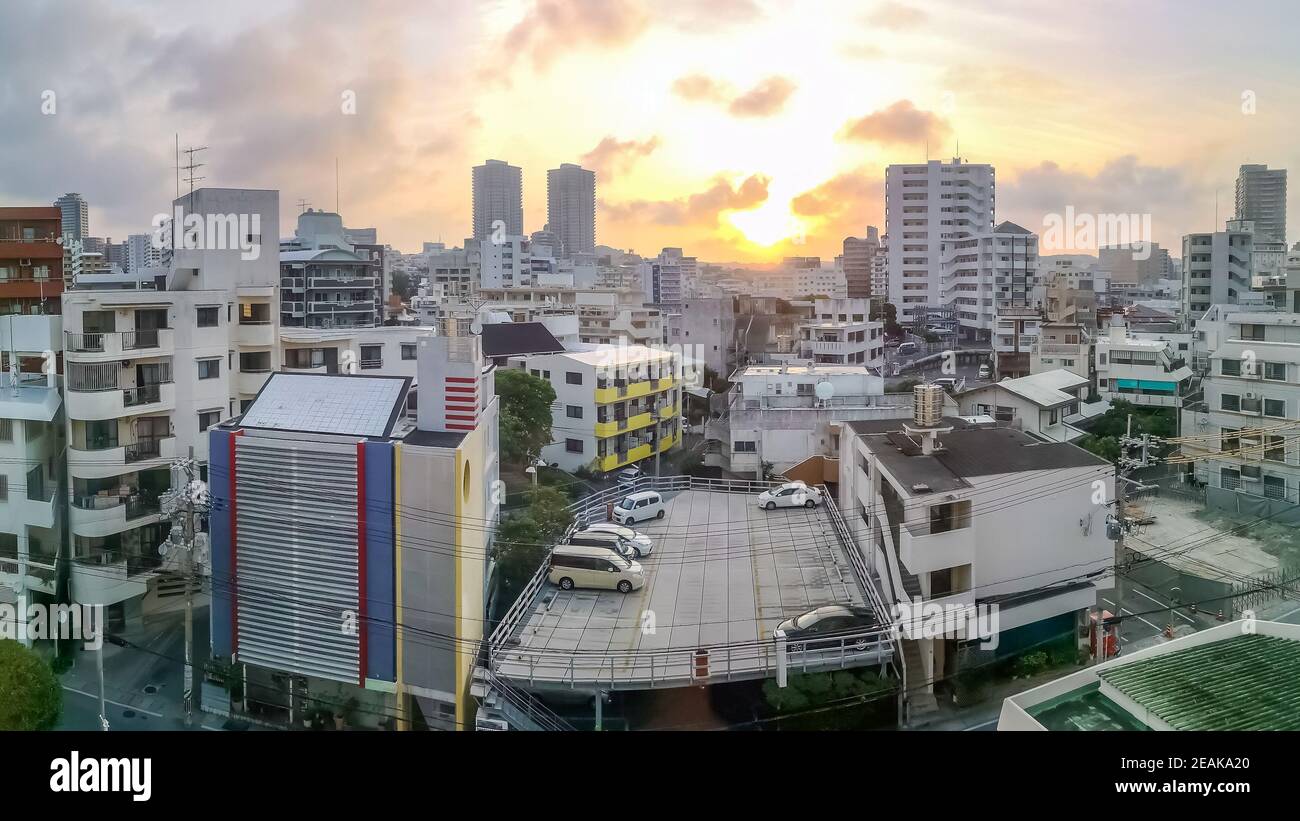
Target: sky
739 130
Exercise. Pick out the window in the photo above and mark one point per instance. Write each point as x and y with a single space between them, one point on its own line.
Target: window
1275 408
573 445
745 447
372 356
573 411
1275 371
4 488
1230 402
1274 487
572 378
1231 367
208 418
1228 439
6 430
1253 332
1052 417
208 317
1275 448
408 350
209 369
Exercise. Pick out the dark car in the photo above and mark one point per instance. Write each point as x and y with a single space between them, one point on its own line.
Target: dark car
825 628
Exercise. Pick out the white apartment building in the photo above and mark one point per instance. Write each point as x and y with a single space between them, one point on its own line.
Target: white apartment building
784 414
859 262
147 370
669 277
505 264
705 331
1063 345
388 351
1216 267
1046 405
840 333
615 405
1246 420
330 288
32 468
954 514
929 207
820 281
604 317
1260 197
1137 370
141 253
983 273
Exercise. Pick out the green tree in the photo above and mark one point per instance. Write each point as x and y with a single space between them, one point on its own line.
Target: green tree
522 540
1104 432
888 313
30 695
525 411
402 285
835 691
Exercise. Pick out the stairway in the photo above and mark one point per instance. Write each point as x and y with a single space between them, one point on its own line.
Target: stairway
922 706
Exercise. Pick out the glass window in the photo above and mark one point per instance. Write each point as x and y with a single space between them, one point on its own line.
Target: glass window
1275 407
208 317
208 418
1230 402
573 378
209 368
1231 367
573 411
408 350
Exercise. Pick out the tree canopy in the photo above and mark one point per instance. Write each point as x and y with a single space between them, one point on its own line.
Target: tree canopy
525 425
30 695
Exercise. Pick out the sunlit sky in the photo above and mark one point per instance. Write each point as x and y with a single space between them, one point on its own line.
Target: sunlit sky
741 130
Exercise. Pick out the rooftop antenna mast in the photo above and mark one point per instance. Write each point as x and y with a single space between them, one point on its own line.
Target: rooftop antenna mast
190 167
336 185
302 205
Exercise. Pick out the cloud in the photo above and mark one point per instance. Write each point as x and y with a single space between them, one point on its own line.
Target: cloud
901 123
699 88
701 209
1177 200
842 206
897 16
612 156
551 28
763 100
862 51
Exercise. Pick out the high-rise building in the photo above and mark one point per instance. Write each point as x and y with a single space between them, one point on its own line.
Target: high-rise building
140 253
1137 264
1261 198
76 215
929 208
571 208
498 196
859 254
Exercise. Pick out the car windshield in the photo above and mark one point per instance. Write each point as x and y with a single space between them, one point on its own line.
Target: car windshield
806 620
627 503
620 562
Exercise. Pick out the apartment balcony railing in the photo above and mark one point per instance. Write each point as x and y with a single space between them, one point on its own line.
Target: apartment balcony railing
343 282
84 342
142 395
371 364
139 339
143 449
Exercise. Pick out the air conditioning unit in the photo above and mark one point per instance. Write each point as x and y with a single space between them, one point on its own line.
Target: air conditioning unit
1251 473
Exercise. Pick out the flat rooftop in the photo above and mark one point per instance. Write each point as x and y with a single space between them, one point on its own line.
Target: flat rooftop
723 574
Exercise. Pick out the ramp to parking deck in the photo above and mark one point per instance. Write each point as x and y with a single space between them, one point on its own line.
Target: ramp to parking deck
724 573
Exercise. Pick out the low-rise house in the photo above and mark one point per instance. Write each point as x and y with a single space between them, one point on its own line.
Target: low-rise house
1045 405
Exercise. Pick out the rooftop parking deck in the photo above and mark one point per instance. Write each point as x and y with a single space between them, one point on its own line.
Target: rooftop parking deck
723 574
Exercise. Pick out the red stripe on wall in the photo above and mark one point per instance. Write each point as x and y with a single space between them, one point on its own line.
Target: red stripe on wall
234 551
454 389
451 426
361 558
462 417
461 379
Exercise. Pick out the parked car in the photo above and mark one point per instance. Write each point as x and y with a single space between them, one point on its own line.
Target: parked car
628 476
639 542
791 494
594 567
907 349
948 383
986 372
638 507
609 541
824 628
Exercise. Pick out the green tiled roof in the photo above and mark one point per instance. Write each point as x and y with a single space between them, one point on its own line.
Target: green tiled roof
1249 682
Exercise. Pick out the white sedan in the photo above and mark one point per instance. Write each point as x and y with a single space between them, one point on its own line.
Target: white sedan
791 494
639 542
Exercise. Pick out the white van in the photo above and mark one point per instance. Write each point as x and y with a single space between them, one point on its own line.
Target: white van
638 507
595 538
596 567
906 349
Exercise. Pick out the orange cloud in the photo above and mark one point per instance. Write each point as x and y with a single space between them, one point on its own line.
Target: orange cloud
897 16
902 123
612 156
701 209
765 99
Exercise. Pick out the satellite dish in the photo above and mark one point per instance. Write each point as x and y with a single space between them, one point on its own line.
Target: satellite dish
824 390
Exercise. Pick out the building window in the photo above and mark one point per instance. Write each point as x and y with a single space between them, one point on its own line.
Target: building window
573 378
372 356
209 368
573 445
1052 417
208 317
745 447
1275 371
408 350
1231 367
4 488
573 411
1230 402
1275 408
208 418
1275 448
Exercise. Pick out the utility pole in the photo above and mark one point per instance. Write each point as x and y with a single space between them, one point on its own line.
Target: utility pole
184 504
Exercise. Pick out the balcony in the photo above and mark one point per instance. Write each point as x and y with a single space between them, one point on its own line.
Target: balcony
615 426
110 577
343 282
620 389
923 551
255 334
107 514
620 459
250 382
41 575
118 345
114 403
340 307
148 450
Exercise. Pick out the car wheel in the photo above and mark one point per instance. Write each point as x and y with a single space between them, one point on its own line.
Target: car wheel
797 647
659 515
625 586
860 644
566 583
810 504
770 506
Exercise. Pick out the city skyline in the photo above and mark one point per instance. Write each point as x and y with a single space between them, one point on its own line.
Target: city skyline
693 152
